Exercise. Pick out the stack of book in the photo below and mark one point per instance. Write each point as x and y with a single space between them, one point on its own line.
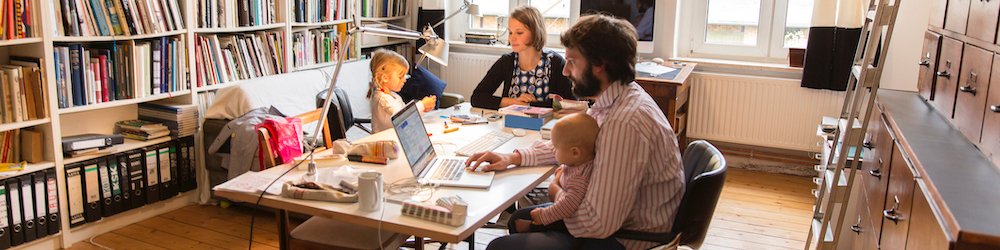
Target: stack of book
22 94
226 58
317 11
15 17
525 117
315 46
236 13
141 130
10 142
181 119
118 17
480 38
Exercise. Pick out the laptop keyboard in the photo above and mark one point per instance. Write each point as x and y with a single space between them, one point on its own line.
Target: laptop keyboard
450 170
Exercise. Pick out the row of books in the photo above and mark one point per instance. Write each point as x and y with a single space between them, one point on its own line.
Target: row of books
405 49
384 8
21 145
29 207
205 100
118 17
22 90
317 11
109 185
224 58
235 13
103 72
316 46
15 19
180 119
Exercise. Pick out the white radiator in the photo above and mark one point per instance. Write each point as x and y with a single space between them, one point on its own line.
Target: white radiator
465 70
759 111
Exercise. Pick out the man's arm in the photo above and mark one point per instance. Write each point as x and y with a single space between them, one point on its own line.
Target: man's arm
622 155
540 153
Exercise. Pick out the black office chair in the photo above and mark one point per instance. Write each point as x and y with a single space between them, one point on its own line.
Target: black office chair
342 105
705 173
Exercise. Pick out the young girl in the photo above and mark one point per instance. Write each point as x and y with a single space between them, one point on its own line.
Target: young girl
388 76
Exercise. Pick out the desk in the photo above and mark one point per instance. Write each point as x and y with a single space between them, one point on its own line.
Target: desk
483 203
672 97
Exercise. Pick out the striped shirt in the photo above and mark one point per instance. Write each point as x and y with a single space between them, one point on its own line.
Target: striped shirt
637 181
573 184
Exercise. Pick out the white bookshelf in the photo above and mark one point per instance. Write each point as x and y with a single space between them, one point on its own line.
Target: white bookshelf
24 124
80 39
240 29
8 43
319 24
117 103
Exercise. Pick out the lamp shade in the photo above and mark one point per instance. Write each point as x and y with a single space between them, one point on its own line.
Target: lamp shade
437 50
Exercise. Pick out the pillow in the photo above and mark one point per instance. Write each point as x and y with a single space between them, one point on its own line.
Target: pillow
422 84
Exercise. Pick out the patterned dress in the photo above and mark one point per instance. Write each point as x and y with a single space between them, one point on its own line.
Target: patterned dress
535 81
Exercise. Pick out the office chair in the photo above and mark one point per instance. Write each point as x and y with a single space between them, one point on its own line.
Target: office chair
342 105
705 174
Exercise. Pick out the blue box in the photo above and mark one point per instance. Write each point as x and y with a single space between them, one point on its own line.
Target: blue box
524 122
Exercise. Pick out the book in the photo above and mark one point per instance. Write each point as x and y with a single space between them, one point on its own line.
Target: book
527 111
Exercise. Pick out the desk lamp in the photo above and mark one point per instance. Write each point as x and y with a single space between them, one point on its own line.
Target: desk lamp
435 48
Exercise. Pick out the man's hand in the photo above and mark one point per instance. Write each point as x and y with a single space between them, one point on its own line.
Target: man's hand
522 226
429 102
494 161
526 98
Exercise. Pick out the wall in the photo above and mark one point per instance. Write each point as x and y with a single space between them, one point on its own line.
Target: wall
900 71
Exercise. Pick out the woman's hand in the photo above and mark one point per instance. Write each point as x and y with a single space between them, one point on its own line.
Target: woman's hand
494 161
526 98
507 101
429 102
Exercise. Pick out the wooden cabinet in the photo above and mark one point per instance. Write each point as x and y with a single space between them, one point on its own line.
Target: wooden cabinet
946 84
928 64
876 171
938 8
990 140
982 23
957 16
899 196
973 84
926 231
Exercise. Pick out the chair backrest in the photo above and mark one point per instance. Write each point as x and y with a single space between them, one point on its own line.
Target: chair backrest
341 116
268 158
705 171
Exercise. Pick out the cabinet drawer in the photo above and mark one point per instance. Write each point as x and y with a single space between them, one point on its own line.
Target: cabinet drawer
876 177
861 231
926 231
928 64
947 76
973 84
983 19
990 141
938 8
896 215
958 15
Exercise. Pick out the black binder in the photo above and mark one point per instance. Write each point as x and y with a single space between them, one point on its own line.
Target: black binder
104 182
41 202
92 191
14 206
190 180
166 154
124 181
152 175
28 206
114 178
137 176
52 192
75 194
4 219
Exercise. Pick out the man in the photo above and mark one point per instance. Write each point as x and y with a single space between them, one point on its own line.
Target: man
637 181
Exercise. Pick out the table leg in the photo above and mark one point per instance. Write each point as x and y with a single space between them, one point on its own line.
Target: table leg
283 230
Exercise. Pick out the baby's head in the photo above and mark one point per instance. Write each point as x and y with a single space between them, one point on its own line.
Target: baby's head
388 70
574 137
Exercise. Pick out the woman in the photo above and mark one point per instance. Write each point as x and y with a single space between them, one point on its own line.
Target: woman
529 74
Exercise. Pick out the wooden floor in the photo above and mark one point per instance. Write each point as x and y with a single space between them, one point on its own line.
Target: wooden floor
756 211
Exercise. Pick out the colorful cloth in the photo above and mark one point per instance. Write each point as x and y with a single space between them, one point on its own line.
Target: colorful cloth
535 81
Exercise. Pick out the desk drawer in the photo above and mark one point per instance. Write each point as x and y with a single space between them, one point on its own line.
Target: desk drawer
898 200
928 64
958 15
946 84
983 20
990 141
973 84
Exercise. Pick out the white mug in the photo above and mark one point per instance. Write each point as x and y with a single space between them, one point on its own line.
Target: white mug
370 191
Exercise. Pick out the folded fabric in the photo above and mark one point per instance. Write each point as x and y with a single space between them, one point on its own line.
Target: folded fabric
308 190
386 149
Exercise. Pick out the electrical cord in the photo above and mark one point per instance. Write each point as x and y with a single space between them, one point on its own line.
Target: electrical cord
263 192
92 242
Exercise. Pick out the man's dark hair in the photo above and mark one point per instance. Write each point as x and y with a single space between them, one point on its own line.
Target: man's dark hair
605 41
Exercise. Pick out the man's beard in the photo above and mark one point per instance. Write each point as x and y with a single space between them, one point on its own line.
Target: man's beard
588 87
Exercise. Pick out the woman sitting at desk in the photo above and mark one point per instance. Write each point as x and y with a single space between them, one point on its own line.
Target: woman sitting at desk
529 73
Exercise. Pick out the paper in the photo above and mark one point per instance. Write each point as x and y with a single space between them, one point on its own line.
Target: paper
653 69
251 182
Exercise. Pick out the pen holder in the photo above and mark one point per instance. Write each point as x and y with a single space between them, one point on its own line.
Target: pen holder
370 188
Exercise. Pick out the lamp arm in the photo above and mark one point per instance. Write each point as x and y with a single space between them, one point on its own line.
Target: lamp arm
460 9
331 85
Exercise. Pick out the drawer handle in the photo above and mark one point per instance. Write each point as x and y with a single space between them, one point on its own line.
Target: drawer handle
868 145
857 226
891 212
944 74
995 108
877 173
968 89
925 63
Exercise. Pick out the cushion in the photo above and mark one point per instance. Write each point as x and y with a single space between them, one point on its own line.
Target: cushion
422 83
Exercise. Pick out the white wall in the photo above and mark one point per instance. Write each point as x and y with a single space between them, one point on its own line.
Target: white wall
900 71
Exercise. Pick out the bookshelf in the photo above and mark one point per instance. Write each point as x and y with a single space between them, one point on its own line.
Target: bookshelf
182 23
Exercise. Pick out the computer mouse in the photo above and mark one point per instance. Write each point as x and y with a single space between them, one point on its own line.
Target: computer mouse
518 132
658 60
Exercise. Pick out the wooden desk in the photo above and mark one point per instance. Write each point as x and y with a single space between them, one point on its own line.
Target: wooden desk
672 97
507 186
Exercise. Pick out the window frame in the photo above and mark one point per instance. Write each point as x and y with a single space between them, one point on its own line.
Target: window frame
770 46
463 23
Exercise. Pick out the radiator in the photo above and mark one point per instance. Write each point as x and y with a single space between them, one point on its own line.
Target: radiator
465 70
759 111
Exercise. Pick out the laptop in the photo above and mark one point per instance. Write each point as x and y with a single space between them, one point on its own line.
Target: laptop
427 167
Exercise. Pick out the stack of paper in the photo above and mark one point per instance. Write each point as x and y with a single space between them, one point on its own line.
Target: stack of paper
182 119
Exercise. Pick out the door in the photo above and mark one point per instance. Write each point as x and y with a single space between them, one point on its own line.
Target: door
947 76
926 231
928 64
896 214
983 20
990 140
958 15
973 84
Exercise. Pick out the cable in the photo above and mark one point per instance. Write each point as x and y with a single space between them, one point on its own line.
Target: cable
92 242
261 196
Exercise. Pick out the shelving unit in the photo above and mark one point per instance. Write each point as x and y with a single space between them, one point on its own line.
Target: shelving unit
117 103
117 38
240 29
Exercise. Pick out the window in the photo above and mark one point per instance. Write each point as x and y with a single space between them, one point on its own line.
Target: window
556 13
755 30
495 14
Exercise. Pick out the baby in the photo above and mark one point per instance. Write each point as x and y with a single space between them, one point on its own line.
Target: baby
573 139
388 76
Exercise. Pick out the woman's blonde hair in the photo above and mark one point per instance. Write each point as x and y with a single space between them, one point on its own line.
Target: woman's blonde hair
532 18
380 59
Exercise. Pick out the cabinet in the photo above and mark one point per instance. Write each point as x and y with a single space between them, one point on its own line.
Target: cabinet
928 65
926 231
895 215
982 23
948 68
970 101
876 170
990 140
957 15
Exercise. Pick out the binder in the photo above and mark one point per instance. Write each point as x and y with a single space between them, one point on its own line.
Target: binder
28 206
124 181
166 164
52 193
190 180
92 192
41 209
114 178
4 219
152 176
137 176
75 194
103 180
14 206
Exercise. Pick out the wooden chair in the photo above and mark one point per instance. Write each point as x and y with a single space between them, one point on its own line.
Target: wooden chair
319 232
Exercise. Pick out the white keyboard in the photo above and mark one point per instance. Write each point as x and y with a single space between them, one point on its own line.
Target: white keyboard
450 170
487 142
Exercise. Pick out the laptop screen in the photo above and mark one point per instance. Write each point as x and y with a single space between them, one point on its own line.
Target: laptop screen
412 136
